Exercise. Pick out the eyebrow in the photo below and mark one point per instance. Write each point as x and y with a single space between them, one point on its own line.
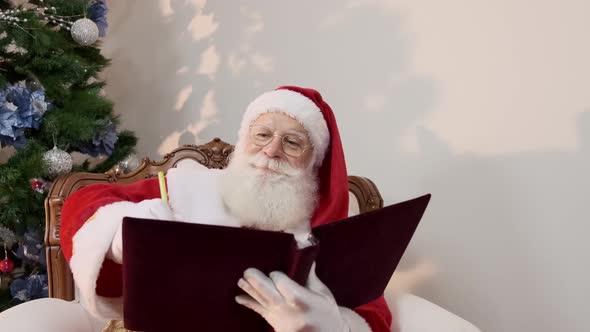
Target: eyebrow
297 131
270 125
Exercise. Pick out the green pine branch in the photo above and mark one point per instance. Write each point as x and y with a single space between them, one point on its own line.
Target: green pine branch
41 52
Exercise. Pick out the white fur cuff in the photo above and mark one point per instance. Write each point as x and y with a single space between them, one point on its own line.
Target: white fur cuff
90 245
355 322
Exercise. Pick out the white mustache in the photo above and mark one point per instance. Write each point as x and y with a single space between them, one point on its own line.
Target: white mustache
282 167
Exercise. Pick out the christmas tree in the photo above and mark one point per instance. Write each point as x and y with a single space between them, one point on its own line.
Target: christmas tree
51 104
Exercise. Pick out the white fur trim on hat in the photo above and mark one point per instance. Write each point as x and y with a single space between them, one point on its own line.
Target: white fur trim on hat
299 107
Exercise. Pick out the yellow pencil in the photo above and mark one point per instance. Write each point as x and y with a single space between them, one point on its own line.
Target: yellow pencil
163 191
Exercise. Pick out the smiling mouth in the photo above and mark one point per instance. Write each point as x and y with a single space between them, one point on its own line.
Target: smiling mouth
268 170
265 169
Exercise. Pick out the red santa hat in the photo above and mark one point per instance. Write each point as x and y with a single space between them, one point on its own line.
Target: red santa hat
315 115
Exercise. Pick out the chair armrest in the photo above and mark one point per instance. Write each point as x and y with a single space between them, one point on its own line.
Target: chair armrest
416 314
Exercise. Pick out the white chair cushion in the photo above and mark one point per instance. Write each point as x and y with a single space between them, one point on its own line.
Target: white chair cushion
416 314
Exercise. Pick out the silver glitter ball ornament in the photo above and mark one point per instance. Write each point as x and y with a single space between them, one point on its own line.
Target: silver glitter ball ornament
33 85
58 162
129 164
33 82
7 236
84 31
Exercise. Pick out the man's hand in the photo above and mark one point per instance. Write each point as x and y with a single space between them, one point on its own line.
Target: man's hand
288 306
151 208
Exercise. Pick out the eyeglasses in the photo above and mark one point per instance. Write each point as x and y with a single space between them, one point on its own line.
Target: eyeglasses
293 145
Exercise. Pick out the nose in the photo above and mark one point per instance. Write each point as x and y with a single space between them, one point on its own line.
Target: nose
274 149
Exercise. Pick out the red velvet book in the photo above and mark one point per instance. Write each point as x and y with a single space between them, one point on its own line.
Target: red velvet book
183 276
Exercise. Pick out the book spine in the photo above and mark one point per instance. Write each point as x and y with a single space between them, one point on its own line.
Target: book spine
301 262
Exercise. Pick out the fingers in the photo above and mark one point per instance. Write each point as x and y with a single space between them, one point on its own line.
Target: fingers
312 278
251 304
252 292
315 284
279 288
290 290
260 287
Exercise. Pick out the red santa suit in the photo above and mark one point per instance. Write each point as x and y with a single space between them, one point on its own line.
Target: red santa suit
91 216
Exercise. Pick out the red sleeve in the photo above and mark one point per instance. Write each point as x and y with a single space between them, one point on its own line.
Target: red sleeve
83 203
377 315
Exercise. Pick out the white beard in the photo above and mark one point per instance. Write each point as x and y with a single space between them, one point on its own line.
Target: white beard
281 201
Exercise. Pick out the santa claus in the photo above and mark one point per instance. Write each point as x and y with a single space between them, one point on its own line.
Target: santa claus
287 173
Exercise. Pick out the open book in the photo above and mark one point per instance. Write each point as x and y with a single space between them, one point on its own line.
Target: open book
184 276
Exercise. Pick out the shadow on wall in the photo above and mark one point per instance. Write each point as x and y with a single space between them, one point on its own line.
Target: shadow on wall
190 74
156 78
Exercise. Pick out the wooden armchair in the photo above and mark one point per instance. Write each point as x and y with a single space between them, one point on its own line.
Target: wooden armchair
213 155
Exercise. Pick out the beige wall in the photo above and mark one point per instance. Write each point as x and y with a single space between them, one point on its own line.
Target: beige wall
483 103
